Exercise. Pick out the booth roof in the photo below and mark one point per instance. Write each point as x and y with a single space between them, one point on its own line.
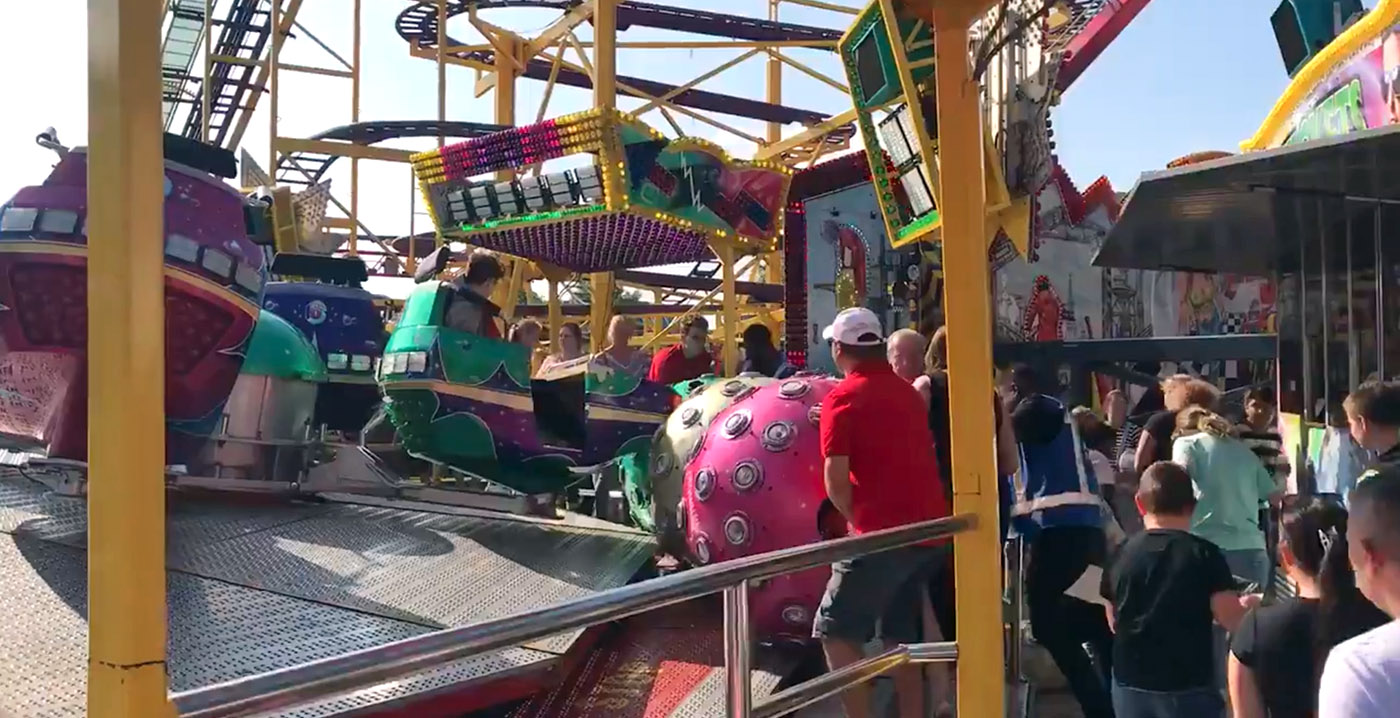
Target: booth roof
1251 213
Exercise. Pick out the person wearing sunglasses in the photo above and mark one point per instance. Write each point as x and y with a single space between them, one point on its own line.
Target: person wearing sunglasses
1276 654
1361 678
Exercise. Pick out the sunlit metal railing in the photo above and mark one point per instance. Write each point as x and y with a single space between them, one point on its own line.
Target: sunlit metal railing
279 690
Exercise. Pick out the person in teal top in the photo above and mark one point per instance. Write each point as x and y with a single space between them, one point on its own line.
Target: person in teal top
1231 484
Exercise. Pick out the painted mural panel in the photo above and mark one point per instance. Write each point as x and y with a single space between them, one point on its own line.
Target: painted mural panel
1057 294
846 248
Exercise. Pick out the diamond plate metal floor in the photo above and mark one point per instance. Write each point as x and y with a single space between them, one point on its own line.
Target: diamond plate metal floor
258 587
667 663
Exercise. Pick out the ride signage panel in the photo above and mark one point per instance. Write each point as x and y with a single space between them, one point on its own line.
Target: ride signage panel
889 61
1362 93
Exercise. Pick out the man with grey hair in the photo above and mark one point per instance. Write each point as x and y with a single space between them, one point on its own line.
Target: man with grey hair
905 349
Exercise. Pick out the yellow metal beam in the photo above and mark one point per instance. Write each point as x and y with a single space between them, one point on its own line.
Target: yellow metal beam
353 245
604 74
310 70
811 134
774 72
967 294
666 98
288 145
551 35
730 313
126 364
810 72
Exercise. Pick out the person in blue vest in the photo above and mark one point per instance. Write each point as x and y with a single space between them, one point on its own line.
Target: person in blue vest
1059 513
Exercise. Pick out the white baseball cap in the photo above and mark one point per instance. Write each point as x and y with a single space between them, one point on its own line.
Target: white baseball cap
856 326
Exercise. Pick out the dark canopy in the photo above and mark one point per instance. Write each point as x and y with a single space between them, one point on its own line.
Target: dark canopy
1254 213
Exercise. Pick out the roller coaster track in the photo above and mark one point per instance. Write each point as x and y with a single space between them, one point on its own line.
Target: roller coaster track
418 26
307 168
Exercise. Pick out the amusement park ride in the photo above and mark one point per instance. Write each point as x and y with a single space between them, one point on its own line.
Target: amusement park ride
301 521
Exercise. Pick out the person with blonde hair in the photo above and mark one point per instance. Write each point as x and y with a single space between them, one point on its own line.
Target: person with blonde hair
1231 484
1178 392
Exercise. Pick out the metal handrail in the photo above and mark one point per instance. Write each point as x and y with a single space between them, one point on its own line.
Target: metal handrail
330 677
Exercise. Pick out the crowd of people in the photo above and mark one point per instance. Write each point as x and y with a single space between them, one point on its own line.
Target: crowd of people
1180 515
471 310
1180 625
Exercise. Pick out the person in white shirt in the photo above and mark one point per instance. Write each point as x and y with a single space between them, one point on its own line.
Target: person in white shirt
1362 675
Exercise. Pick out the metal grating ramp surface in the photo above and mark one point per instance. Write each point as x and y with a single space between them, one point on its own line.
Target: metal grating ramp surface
258 587
667 663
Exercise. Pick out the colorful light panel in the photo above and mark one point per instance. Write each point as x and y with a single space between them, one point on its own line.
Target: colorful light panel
599 242
659 200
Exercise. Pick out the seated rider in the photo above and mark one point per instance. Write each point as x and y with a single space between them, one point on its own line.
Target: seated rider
470 309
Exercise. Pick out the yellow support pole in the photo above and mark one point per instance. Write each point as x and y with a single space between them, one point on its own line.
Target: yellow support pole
967 291
775 79
730 309
600 311
556 311
441 56
126 360
354 243
604 97
273 58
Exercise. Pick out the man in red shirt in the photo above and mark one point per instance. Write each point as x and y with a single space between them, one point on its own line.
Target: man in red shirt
688 359
881 472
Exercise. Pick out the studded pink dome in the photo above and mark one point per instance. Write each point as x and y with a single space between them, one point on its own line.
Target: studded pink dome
678 439
755 485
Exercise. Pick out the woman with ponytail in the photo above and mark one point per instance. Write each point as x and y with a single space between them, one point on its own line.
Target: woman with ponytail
1231 485
1277 654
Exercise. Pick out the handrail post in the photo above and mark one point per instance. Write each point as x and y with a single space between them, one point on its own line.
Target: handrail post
737 650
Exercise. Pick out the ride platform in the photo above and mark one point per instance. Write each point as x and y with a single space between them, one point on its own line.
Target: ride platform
259 586
667 663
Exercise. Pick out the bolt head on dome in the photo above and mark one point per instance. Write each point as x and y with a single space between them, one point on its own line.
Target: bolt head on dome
733 387
779 435
704 483
702 550
796 615
736 529
736 424
690 416
747 474
794 389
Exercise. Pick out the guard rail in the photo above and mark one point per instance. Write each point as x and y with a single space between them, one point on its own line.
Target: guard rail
276 691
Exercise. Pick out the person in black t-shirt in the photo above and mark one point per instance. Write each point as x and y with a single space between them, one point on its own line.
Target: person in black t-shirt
1165 588
1180 391
1277 654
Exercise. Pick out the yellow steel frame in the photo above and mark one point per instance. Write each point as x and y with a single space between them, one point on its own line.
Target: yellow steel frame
513 51
126 359
127 611
967 294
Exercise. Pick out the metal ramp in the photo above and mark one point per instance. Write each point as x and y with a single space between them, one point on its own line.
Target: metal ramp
184 31
667 663
243 39
255 587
